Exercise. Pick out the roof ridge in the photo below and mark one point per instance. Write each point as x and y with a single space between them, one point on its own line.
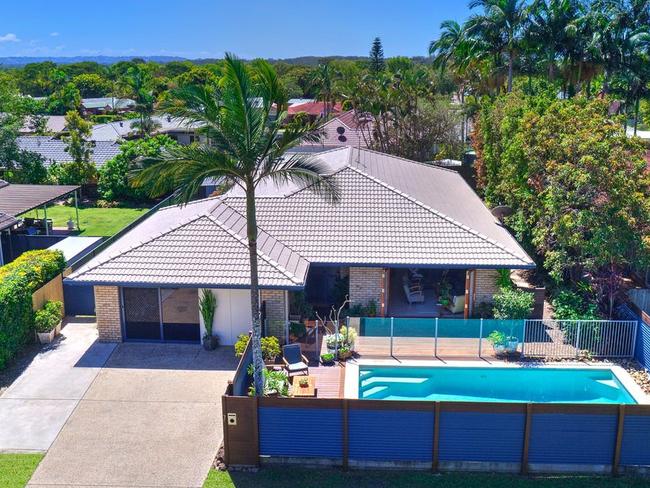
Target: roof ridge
136 246
419 163
436 212
260 253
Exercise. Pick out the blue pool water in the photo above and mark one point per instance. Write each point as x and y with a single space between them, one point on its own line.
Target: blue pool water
543 385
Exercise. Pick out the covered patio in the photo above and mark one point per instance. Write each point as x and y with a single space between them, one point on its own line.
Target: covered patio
18 199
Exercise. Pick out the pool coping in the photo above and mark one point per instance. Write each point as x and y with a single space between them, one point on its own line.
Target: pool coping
351 387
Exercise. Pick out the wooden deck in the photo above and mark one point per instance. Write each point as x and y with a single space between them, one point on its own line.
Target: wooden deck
329 380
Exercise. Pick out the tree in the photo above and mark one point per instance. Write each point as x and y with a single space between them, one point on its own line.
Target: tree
322 82
113 184
63 100
137 84
92 85
247 147
81 169
377 64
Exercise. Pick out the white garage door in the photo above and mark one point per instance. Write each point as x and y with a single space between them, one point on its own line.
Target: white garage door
233 315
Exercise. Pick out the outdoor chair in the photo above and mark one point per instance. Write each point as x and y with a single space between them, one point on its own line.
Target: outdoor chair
413 294
294 361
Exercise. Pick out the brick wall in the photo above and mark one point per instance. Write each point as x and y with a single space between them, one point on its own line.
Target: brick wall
276 312
486 285
107 311
367 284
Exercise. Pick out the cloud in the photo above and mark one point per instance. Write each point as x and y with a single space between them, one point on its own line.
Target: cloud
9 37
54 34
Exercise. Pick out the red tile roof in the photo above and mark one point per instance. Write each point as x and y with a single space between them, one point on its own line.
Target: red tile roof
313 108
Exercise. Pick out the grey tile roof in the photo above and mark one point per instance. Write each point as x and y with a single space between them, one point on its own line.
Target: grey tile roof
54 123
53 149
121 129
18 199
115 103
7 221
201 244
392 212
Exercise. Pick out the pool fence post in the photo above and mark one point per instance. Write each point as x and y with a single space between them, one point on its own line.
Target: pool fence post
523 339
480 338
435 342
578 339
391 336
318 349
286 331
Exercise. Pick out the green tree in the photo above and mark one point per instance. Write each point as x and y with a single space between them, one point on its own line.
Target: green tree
323 84
137 84
92 85
377 64
63 100
113 184
247 147
81 169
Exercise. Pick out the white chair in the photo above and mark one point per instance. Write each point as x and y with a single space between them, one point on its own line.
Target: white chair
413 294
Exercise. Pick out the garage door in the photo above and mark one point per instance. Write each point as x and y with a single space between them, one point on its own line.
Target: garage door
161 314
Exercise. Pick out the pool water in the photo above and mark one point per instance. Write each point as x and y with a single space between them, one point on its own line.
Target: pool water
479 384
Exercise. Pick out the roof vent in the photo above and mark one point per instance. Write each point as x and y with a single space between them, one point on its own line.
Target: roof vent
342 138
169 119
340 130
121 124
501 211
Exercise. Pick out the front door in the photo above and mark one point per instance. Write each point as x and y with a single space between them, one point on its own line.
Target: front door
161 314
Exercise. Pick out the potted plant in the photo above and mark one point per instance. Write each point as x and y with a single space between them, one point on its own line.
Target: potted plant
270 349
208 305
327 359
512 342
345 353
47 321
70 224
499 341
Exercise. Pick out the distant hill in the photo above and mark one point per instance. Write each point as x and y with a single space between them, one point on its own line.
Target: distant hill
16 61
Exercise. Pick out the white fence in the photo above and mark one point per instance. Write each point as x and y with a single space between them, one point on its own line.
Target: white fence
576 338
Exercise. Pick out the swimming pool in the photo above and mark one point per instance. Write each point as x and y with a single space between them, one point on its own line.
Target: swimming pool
494 384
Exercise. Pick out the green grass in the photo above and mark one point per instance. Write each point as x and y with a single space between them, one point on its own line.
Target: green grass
94 221
16 469
285 476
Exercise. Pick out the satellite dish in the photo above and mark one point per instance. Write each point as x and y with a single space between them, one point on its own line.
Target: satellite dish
342 138
502 211
340 130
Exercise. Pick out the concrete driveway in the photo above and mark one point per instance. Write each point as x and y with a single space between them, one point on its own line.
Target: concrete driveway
148 415
152 417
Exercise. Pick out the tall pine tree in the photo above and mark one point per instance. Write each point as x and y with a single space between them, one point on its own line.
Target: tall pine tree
376 56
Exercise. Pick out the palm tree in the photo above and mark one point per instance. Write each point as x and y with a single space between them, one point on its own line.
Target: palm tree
322 80
136 83
247 147
500 26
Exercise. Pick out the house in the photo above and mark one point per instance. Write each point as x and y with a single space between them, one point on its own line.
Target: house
53 150
397 222
314 110
345 129
54 124
175 128
102 105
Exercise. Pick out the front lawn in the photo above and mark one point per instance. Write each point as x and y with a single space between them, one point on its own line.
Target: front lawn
94 221
16 469
284 476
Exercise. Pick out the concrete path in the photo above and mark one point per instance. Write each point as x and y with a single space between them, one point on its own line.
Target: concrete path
35 407
152 417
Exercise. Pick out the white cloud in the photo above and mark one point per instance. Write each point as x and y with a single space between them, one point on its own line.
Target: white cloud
9 37
54 34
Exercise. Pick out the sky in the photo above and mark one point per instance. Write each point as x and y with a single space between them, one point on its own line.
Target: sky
209 28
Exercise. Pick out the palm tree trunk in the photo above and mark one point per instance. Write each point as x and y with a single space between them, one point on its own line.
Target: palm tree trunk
251 230
510 70
636 113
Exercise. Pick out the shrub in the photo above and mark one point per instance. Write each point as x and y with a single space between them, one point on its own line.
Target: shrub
49 316
270 348
569 305
208 305
18 280
240 345
513 304
297 329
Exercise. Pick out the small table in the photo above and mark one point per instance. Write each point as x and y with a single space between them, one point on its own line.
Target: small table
303 391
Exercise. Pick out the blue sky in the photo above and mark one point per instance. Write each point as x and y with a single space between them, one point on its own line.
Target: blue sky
208 28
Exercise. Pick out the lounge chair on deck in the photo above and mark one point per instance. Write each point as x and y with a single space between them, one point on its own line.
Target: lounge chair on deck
414 294
294 361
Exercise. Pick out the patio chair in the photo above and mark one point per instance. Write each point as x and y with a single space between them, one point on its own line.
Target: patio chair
294 361
413 294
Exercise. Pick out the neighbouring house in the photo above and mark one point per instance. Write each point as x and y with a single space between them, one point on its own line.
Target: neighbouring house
17 233
54 124
53 150
398 222
344 129
103 105
313 109
176 128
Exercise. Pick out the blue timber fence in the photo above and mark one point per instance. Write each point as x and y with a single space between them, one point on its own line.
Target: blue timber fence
642 347
510 437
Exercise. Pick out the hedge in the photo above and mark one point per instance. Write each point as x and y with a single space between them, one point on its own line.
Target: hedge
18 281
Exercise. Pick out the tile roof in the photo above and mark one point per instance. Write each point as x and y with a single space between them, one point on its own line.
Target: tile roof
18 199
101 102
7 221
392 212
312 108
121 129
201 244
54 123
53 149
